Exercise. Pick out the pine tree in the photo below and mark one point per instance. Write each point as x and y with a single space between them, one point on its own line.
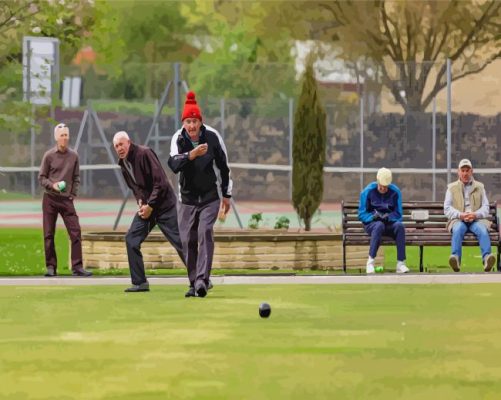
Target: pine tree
308 152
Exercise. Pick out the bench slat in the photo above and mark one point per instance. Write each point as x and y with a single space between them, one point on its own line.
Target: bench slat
431 232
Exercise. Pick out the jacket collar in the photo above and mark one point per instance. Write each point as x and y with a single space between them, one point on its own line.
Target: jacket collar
201 136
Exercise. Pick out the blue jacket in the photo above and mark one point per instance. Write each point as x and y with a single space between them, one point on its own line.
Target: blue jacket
388 203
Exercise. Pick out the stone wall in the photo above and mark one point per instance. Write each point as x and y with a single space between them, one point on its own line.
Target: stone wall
234 250
391 140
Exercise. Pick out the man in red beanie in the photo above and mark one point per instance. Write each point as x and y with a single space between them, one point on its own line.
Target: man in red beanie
198 153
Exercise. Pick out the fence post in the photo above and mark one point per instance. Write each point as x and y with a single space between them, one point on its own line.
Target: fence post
222 110
361 141
434 147
291 137
449 120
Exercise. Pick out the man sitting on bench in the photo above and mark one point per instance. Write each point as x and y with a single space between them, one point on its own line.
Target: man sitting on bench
380 210
467 209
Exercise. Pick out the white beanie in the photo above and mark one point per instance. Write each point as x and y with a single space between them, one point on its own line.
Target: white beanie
384 176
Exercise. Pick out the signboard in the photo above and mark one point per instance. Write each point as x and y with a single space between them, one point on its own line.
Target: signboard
40 69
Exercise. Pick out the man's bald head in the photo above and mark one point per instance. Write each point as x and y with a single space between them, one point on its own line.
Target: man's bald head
120 135
60 128
121 143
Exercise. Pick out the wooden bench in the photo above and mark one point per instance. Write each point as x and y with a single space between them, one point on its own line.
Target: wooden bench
430 232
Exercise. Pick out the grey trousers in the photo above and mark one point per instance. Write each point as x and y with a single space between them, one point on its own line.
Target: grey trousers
139 230
196 228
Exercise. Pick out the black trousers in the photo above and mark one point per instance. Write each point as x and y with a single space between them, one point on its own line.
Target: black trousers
138 232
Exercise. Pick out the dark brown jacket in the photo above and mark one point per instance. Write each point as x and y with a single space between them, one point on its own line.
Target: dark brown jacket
60 166
150 184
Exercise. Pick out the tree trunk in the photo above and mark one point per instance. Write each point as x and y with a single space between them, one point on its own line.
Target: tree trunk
307 224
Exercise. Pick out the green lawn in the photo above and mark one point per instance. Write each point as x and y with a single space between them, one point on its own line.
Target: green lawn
22 254
9 196
321 342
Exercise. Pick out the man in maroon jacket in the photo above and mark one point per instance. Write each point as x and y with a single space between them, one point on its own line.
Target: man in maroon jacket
60 177
157 202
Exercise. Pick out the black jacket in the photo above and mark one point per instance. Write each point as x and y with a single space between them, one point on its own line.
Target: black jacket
205 178
150 184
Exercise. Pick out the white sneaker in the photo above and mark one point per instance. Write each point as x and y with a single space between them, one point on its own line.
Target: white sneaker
369 268
402 268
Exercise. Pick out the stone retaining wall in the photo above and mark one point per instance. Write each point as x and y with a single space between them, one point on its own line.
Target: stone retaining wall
234 250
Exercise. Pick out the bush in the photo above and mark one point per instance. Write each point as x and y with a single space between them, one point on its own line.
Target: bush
255 220
282 223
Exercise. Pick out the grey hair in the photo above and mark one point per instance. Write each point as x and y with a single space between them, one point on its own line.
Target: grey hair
57 127
120 135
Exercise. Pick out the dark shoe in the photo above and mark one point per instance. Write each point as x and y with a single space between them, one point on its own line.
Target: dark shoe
454 262
143 287
191 292
51 271
209 285
81 272
489 262
201 289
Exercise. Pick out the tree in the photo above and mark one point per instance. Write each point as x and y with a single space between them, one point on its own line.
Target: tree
238 57
399 43
406 38
68 20
309 144
135 41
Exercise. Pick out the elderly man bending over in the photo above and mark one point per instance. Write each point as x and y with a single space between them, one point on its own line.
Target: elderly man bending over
156 200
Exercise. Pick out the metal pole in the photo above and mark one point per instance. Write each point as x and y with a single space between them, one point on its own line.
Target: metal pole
156 126
55 80
434 147
177 108
361 141
32 149
124 202
158 112
449 120
107 147
291 138
222 104
237 215
32 122
90 134
81 129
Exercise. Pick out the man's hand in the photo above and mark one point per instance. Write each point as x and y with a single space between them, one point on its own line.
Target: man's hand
198 151
470 217
145 211
55 186
225 205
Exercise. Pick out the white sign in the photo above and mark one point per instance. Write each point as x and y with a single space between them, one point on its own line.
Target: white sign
71 91
40 69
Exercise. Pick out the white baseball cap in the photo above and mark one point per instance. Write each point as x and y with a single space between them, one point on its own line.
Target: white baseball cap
384 176
465 163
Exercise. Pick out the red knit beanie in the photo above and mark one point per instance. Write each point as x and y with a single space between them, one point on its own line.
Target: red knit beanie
191 109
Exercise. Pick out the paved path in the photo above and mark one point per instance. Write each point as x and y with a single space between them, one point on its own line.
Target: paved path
265 280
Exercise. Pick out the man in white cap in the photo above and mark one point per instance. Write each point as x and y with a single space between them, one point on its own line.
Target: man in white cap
380 210
467 208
